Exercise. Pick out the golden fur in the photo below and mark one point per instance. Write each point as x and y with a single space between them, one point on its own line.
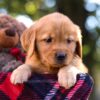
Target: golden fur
51 35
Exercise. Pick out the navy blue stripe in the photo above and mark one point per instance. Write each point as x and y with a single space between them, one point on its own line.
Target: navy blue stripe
40 85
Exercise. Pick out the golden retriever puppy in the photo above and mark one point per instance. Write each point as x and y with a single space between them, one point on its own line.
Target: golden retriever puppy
53 45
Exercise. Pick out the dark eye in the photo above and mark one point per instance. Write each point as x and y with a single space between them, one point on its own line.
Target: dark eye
69 41
48 40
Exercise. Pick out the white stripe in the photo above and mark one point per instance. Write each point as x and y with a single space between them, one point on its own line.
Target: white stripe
52 92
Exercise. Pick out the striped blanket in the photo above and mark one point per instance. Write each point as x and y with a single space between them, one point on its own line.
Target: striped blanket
45 87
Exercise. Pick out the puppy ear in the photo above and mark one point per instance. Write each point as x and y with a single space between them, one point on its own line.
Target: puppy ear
31 49
79 42
28 40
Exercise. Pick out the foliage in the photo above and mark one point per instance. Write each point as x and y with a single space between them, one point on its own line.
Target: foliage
32 8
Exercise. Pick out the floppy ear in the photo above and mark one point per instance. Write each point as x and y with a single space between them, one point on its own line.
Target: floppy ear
28 40
79 42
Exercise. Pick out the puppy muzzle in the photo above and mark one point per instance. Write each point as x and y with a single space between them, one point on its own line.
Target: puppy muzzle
60 57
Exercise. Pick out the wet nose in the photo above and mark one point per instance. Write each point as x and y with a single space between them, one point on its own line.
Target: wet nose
60 56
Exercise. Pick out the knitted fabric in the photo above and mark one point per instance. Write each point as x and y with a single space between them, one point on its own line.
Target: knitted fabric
10 58
45 87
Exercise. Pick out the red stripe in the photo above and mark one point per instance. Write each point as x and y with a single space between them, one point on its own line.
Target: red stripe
13 91
75 88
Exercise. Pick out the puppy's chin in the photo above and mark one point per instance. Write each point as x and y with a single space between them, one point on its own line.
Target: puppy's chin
59 65
54 64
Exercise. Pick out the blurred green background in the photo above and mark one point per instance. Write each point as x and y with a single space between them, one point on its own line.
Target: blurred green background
85 13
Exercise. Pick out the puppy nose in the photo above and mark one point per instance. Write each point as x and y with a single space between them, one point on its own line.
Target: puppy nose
60 56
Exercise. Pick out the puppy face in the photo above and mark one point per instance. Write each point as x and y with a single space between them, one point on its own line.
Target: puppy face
55 40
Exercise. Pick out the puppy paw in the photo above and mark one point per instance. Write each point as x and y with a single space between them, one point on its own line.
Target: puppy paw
67 76
21 74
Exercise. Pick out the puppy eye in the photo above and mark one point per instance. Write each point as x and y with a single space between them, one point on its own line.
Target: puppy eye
69 41
48 40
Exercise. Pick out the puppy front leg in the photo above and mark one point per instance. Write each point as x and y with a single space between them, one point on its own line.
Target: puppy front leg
21 74
67 75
